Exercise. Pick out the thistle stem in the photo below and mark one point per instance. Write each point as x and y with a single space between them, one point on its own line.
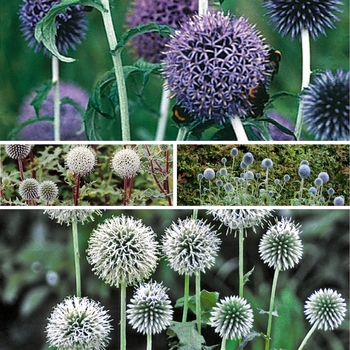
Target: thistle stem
163 115
56 97
240 263
122 316
223 343
198 301
307 336
149 341
301 189
20 167
182 133
186 294
118 69
272 302
305 47
76 258
237 126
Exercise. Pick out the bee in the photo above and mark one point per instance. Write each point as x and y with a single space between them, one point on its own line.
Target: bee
274 61
258 97
180 116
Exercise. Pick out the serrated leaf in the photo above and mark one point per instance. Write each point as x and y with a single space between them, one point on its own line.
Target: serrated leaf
247 275
41 95
67 100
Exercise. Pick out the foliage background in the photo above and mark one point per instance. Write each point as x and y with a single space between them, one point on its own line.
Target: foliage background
22 70
333 159
31 245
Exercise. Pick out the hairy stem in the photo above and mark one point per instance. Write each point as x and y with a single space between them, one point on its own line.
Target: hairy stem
149 341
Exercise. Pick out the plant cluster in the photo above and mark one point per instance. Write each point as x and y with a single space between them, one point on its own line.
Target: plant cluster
86 175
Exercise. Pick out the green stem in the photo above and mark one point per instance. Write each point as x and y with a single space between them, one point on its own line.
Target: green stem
182 133
122 316
149 341
186 294
301 189
272 302
237 126
118 69
240 263
198 301
56 97
223 343
76 258
163 114
308 335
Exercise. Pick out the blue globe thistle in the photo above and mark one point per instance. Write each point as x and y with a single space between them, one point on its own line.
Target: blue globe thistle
81 160
248 159
223 171
286 178
71 25
219 183
126 163
276 182
209 174
330 191
312 190
304 162
212 62
71 121
200 177
267 163
68 216
258 176
318 182
223 160
304 171
228 187
323 176
326 106
243 165
171 13
291 16
339 201
234 152
249 175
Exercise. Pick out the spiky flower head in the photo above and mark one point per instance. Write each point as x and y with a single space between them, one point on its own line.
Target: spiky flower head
48 190
267 164
67 216
209 174
17 151
291 17
29 189
71 121
234 219
232 317
326 106
122 250
151 45
71 24
81 160
190 246
339 201
126 163
326 308
79 324
323 176
304 171
212 62
150 310
280 247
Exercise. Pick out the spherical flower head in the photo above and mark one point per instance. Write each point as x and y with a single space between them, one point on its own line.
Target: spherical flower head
330 191
281 247
71 25
79 323
326 106
304 162
219 183
122 250
223 171
150 310
234 152
286 178
223 160
48 190
318 182
234 219
29 189
267 164
326 308
324 177
209 174
151 45
212 62
126 163
200 177
17 151
232 317
248 159
339 201
228 187
312 190
190 246
291 17
67 216
81 160
249 175
71 121
304 171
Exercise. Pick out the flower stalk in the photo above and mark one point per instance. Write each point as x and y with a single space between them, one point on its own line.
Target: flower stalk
76 258
186 296
56 97
237 126
122 316
308 335
163 114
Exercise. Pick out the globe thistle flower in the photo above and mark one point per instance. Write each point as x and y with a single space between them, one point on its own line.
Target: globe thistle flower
249 175
71 121
326 308
67 216
318 182
223 171
150 310
209 174
234 219
243 165
71 25
258 176
312 190
190 246
29 189
17 151
122 250
228 187
304 162
234 152
200 177
326 106
223 160
267 164
219 183
81 160
339 201
290 17
280 247
126 163
151 45
304 171
204 65
48 190
79 323
324 177
286 178
277 182
330 191
248 159
232 317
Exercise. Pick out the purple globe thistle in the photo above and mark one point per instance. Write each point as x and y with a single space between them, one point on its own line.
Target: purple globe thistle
211 64
171 13
71 24
325 105
290 17
71 120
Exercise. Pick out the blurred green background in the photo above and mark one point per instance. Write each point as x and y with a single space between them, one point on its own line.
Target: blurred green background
37 272
22 70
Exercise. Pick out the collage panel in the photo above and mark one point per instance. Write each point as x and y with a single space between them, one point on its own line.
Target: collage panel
86 278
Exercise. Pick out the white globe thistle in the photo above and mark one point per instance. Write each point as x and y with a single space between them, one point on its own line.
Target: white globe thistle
232 317
126 163
122 250
48 190
281 247
18 151
81 160
190 246
67 216
150 310
29 189
326 308
78 324
234 219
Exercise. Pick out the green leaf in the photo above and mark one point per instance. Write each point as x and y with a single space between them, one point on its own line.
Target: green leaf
67 100
247 275
249 337
41 95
